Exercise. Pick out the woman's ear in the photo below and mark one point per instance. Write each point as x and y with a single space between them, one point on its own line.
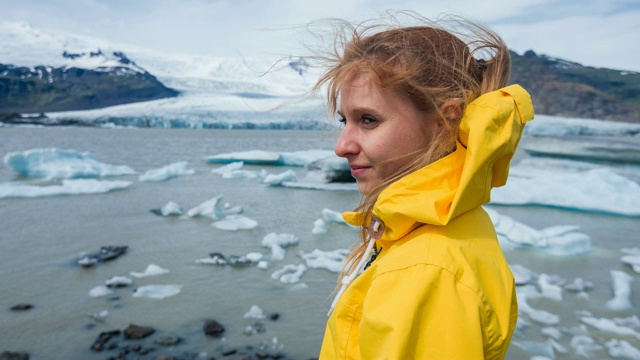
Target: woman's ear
452 111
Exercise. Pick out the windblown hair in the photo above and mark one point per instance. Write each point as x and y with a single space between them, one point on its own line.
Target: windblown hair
432 65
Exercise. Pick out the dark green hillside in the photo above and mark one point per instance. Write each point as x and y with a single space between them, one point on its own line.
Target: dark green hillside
560 87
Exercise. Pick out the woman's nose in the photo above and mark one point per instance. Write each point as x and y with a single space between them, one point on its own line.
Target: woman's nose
347 143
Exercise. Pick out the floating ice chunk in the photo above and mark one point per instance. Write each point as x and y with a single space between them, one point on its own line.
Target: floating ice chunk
332 216
584 345
539 316
546 125
152 270
552 332
329 169
304 157
99 291
53 163
631 321
253 256
277 243
235 223
118 281
253 157
68 187
319 227
167 172
278 179
542 350
579 285
254 313
570 243
329 260
621 291
314 185
289 274
622 349
575 191
548 288
157 291
521 274
609 326
632 259
237 165
171 209
244 174
213 210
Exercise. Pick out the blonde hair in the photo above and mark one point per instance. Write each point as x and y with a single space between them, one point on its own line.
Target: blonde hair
431 65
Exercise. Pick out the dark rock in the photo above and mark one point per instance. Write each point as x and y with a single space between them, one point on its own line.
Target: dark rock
21 307
274 316
229 352
10 355
212 328
218 258
136 332
168 340
106 253
104 338
236 357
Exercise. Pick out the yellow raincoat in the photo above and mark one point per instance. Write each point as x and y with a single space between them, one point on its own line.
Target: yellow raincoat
440 288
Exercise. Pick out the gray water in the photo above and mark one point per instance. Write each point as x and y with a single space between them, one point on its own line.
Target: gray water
40 239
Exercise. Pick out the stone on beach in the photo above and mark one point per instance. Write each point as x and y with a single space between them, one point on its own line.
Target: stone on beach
212 328
135 332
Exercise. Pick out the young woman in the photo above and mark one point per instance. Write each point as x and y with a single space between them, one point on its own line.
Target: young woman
428 129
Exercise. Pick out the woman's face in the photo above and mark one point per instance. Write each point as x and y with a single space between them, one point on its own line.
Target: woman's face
380 129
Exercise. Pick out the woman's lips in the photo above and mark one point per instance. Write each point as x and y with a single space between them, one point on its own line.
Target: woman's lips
358 170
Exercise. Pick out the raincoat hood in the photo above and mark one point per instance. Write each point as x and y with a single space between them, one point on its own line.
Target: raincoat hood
490 131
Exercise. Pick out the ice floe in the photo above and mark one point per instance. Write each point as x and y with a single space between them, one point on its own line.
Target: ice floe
621 284
260 157
213 209
169 209
235 223
289 274
328 260
151 270
101 290
278 179
632 258
167 172
254 312
157 291
53 163
67 187
277 243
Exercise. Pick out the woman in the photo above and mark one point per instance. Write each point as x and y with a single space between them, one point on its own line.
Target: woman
429 128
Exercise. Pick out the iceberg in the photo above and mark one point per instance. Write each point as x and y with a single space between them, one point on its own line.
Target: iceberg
236 165
582 191
260 157
632 259
609 326
621 291
68 187
622 349
157 291
53 163
152 270
99 291
278 179
558 240
329 169
252 157
255 313
235 223
167 172
213 210
169 209
289 274
277 243
328 260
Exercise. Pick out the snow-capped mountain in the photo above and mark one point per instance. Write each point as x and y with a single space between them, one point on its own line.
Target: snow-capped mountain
214 91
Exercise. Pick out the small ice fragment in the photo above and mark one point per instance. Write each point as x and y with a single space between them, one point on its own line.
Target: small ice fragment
289 274
118 281
235 223
157 291
171 209
100 291
319 227
621 291
254 256
152 270
167 172
255 313
278 179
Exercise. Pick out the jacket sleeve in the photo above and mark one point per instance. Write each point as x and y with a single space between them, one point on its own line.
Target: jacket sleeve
422 312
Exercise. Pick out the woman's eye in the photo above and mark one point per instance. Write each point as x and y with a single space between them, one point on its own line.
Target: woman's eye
342 120
368 119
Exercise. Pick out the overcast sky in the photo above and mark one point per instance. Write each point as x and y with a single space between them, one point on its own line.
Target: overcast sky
600 33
